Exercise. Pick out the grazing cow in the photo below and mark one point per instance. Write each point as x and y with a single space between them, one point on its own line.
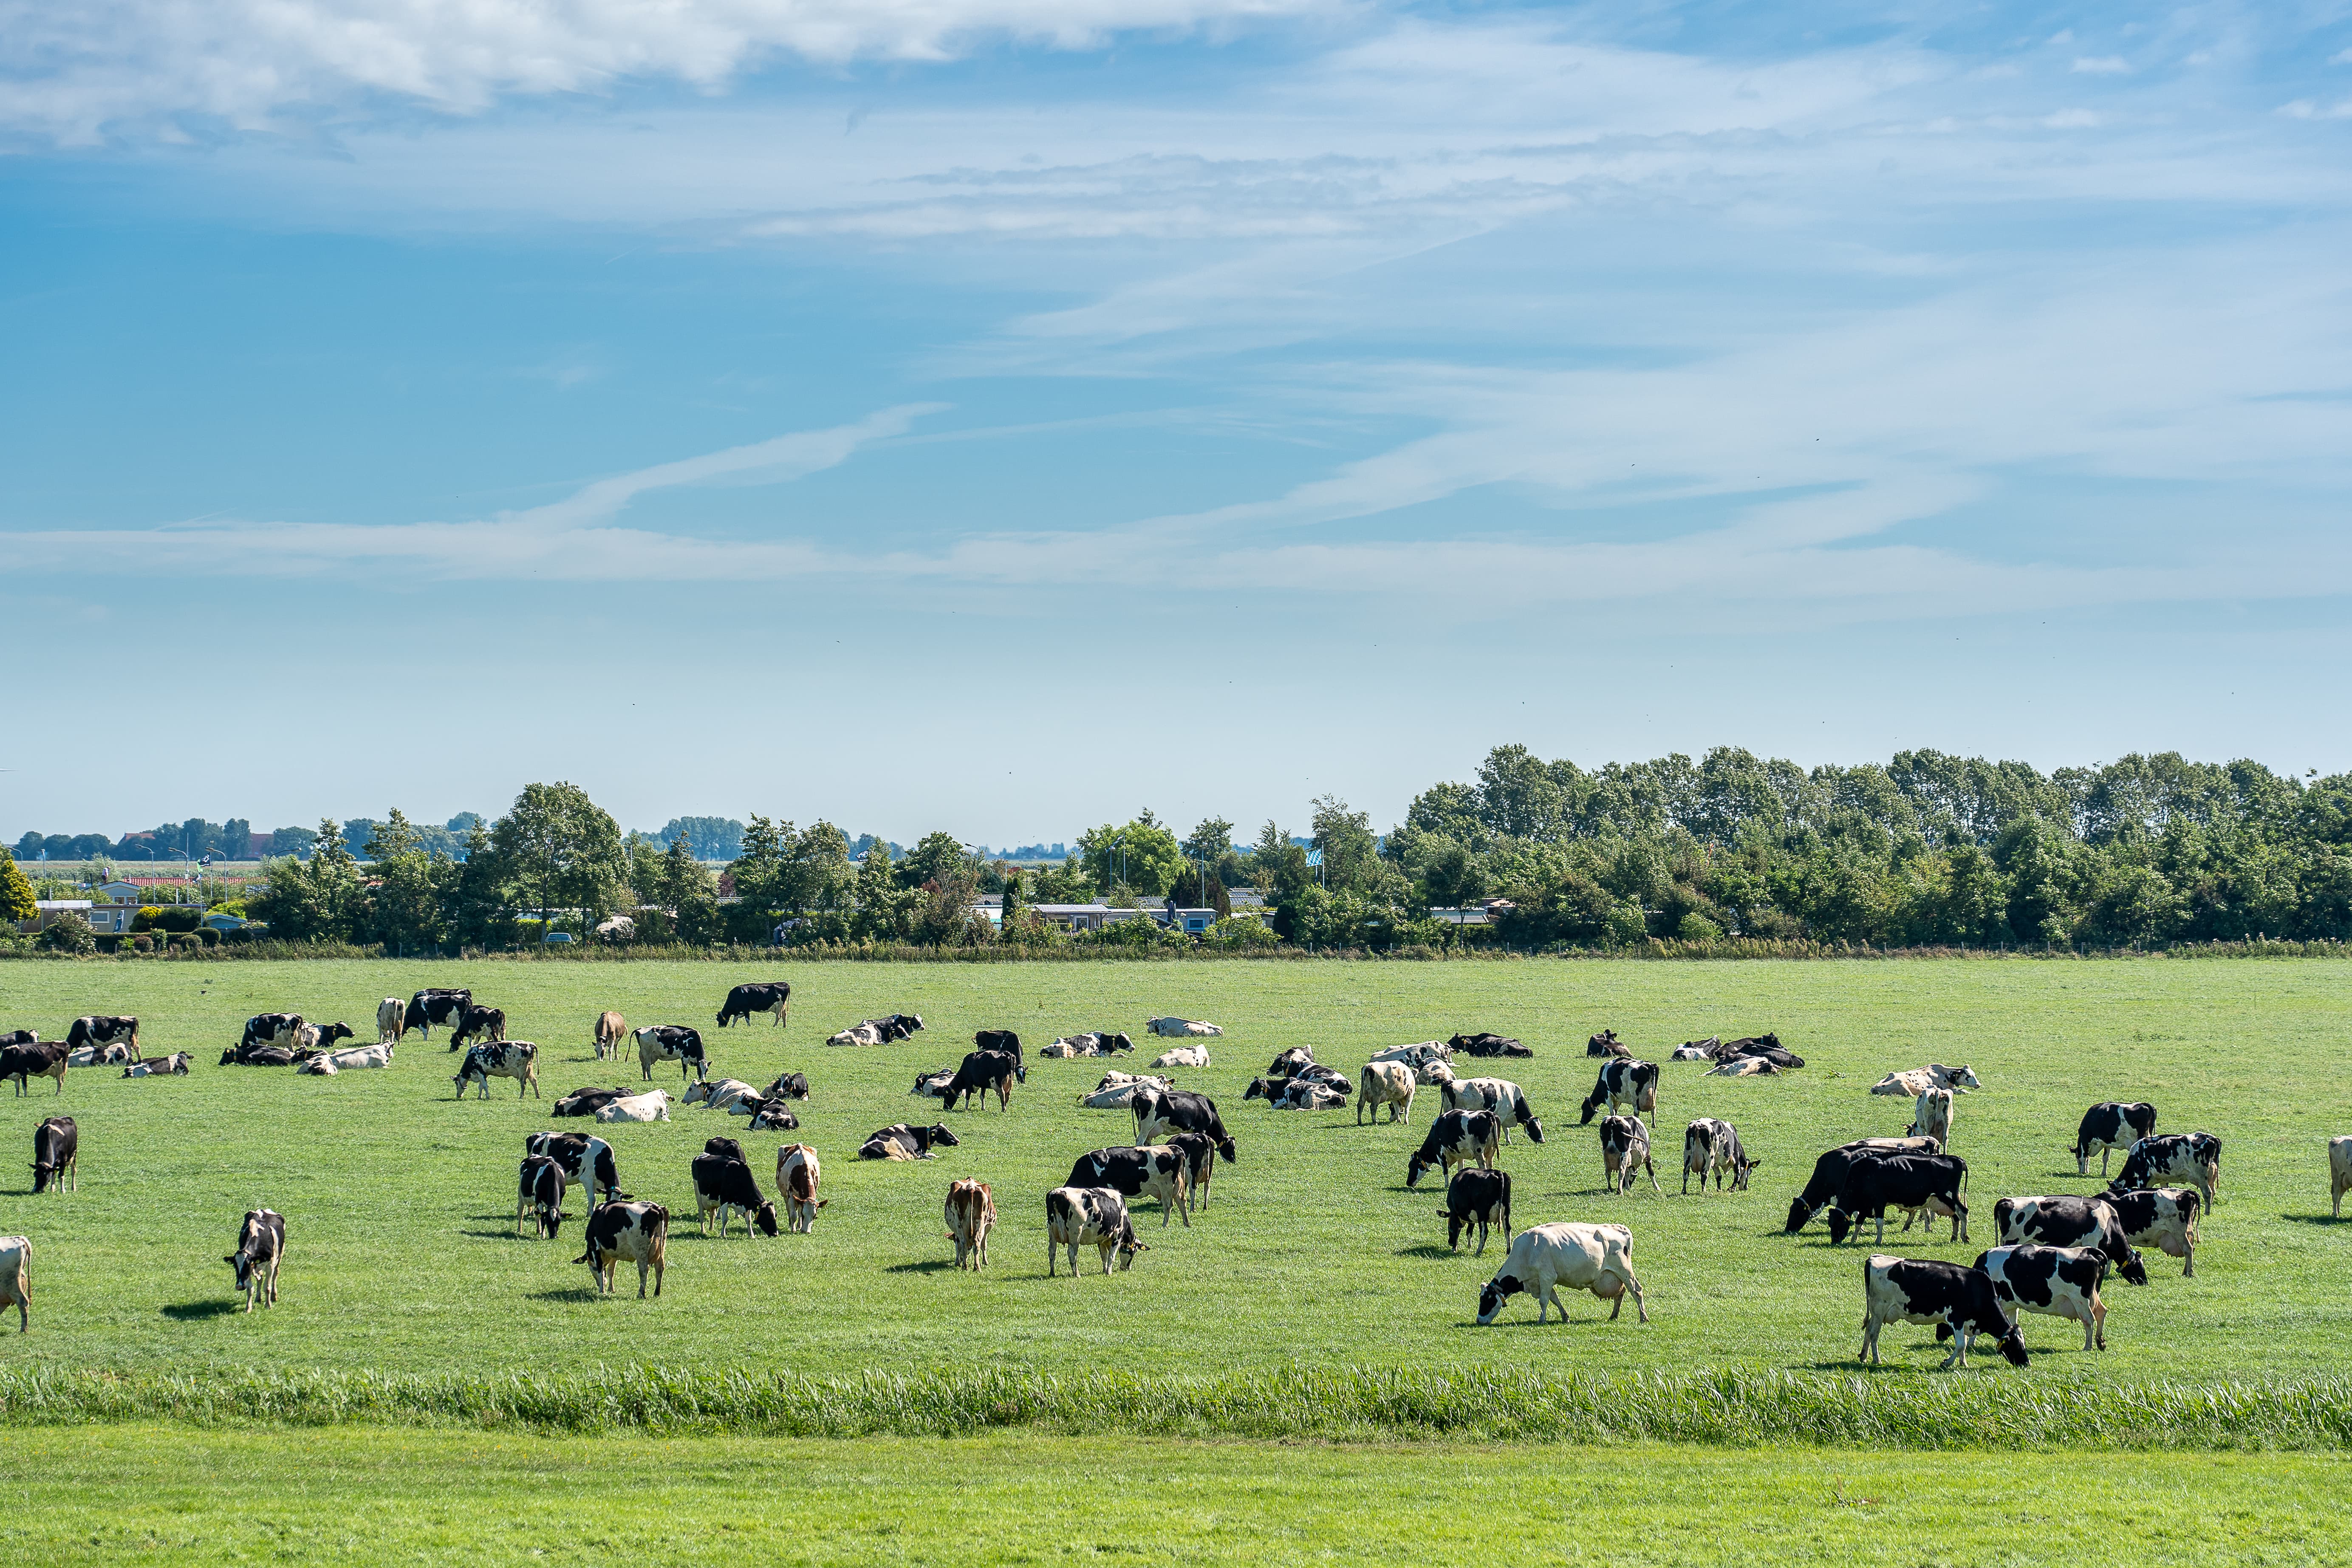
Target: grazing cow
1182 1057
1418 1056
1480 1197
1928 1184
1931 1116
2161 1218
788 1086
981 1072
516 1059
431 1006
1607 1044
2070 1221
1116 1091
2052 1281
1962 1301
1163 1111
900 1142
1181 1028
631 1233
1712 1148
970 1211
725 1148
2192 1157
1199 1152
1078 1215
25 1063
2110 1125
17 1280
1292 1062
391 1021
57 1150
671 1043
1484 1045
724 1184
540 1191
174 1066
1456 1137
1546 1257
719 1096
1625 1153
102 1029
610 1029
100 1056
1622 1083
584 1159
1744 1066
1385 1083
932 1083
2339 1173
651 1106
260 1247
1137 1173
271 1029
1916 1081
1830 1170
857 1035
478 1023
770 997
1499 1095
797 1178
587 1102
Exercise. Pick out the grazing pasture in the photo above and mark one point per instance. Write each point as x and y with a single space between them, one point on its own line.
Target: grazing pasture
402 1254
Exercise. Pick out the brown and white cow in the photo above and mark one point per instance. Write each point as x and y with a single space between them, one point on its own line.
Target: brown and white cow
798 1176
611 1029
391 1021
970 1211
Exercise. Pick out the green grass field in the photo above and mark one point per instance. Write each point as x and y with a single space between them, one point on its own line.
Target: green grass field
402 1256
155 1494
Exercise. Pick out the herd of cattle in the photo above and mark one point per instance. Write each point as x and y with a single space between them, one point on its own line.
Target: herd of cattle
2053 1256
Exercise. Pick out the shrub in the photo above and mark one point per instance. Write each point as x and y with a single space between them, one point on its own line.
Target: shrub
69 934
1696 927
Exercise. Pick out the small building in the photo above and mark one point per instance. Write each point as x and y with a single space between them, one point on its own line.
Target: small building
106 919
1083 917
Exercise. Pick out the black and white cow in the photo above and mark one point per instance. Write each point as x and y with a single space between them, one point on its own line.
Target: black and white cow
25 1063
770 996
1139 1172
585 1159
2161 1218
270 1029
1625 1153
1961 1301
1456 1137
258 1056
1162 1111
622 1233
1499 1095
1546 1258
900 1142
898 1026
516 1059
431 1006
1004 1040
2052 1281
768 1115
2194 1158
1928 1184
672 1043
317 1038
1830 1170
1292 1062
1711 1147
174 1066
1075 1215
932 1083
1622 1083
478 1023
587 1102
1606 1044
724 1185
981 1072
1766 1047
260 1247
20 1036
2090 1223
539 1191
2110 1125
1200 1151
1480 1197
788 1086
102 1029
1487 1045
57 1150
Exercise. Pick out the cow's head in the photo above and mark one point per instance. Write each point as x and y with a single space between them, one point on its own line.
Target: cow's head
2129 1264
941 1135
242 1261
229 1057
1415 1167
1127 1248
1225 1150
764 1216
1534 1127
1592 1102
1258 1090
1497 1291
1840 1222
1740 1169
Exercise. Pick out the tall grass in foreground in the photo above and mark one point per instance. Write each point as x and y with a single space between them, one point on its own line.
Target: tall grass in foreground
1989 1409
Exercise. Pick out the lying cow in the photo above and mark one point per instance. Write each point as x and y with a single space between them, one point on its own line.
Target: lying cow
1546 1258
1499 1095
1625 1153
1075 1215
258 1056
724 1185
798 1176
767 1115
772 997
1484 1045
2088 1224
1182 1057
56 1154
1180 1028
2110 1125
718 1095
1292 1062
20 1036
360 1059
1689 1051
1480 1197
516 1059
1300 1093
1767 1047
2052 1281
788 1086
970 1212
1744 1066
1712 1148
260 1247
1116 1091
900 1142
1098 1043
622 1233
856 1035
1383 1083
1916 1081
1607 1044
174 1066
1961 1301
651 1106
587 1102
1416 1056
101 1055
1623 1083
1456 1137
1137 1173
932 1083
671 1043
2192 1157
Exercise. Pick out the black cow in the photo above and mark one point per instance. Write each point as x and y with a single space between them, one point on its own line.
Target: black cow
1913 1182
1200 1151
1137 1173
1829 1171
1963 1300
2110 1125
260 1056
1767 1046
900 1142
788 1086
770 997
1485 1045
429 1007
25 1063
482 1023
1161 1111
585 1159
722 1185
2192 1157
102 1029
2091 1223
1456 1137
587 1102
981 1072
57 1146
20 1036
1004 1040
726 1148
1480 1197
1624 1081
271 1028
540 1191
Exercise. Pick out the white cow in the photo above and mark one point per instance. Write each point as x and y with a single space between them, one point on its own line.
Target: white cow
2339 1171
721 1096
797 1176
1544 1258
1931 1117
1385 1083
356 1059
1416 1056
390 1020
1117 1091
1180 1028
651 1106
1745 1066
16 1279
856 1035
160 1067
1182 1057
1918 1081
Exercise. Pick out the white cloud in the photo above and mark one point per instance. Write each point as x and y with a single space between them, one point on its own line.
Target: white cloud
2102 65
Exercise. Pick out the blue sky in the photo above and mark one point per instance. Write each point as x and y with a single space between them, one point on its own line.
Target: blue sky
1003 414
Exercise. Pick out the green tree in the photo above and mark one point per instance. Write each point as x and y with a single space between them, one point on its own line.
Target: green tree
1142 856
1344 838
882 903
405 914
69 934
16 902
477 910
563 848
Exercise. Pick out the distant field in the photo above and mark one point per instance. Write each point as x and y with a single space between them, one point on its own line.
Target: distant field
167 1494
403 1256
